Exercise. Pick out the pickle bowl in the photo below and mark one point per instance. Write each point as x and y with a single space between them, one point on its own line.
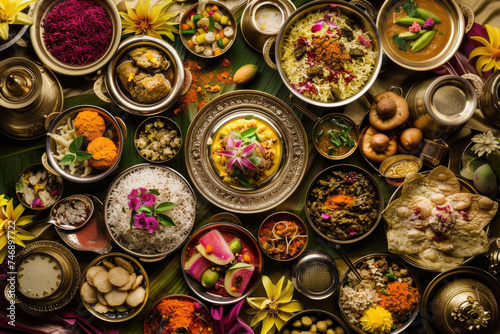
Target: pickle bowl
395 168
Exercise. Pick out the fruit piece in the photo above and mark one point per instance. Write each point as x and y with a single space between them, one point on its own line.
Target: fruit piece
424 14
121 308
101 282
128 286
115 297
89 293
124 264
196 265
118 276
485 181
423 40
411 35
237 279
235 246
91 272
209 249
100 308
138 280
245 74
247 258
209 278
493 160
135 297
221 253
408 21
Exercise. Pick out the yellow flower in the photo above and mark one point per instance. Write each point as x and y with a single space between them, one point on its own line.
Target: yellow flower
277 308
152 21
376 320
490 52
10 13
10 225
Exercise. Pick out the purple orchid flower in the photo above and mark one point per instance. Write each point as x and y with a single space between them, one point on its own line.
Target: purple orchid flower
239 154
319 24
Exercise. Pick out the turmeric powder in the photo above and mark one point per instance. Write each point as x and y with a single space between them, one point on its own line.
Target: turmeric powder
104 153
89 124
401 298
339 201
329 52
183 313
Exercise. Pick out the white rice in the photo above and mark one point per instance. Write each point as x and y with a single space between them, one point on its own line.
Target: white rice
172 188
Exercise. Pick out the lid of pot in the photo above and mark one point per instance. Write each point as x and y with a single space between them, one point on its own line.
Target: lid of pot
20 82
451 100
460 301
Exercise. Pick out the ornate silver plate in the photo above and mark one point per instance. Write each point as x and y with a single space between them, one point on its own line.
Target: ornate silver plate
239 104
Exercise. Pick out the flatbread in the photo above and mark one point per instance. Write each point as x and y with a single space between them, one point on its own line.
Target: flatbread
436 260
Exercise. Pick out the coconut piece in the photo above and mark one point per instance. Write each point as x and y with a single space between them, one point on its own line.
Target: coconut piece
136 297
92 271
138 280
101 299
108 264
118 276
115 297
100 308
131 281
388 111
101 281
124 264
89 293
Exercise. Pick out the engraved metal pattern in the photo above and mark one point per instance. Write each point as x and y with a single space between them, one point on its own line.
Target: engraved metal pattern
469 14
262 106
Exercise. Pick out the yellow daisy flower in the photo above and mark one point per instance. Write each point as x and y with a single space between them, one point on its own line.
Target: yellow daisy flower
490 52
10 13
152 21
274 310
10 225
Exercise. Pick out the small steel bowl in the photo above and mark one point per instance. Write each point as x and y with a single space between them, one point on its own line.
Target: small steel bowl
257 260
317 136
350 168
152 120
117 316
122 99
276 217
320 315
43 7
225 11
397 180
153 319
34 168
393 259
113 124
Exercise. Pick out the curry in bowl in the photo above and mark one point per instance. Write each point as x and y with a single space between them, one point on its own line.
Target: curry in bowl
246 152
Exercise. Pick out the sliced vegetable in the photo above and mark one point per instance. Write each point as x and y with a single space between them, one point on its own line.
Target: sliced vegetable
424 14
423 40
411 35
408 21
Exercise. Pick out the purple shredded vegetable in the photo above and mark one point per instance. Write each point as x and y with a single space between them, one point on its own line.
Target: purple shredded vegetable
77 32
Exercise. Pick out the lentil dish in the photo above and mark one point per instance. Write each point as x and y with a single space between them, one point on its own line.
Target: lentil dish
343 204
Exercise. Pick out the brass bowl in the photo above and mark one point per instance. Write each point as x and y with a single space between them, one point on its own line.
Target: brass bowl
118 316
290 217
464 293
55 266
320 315
397 180
43 7
393 259
34 168
142 127
326 119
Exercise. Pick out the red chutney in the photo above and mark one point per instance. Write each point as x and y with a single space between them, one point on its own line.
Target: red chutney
284 226
246 249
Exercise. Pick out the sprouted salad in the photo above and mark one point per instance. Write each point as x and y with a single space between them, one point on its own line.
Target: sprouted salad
327 55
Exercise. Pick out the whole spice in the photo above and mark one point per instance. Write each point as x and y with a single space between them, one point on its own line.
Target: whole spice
183 314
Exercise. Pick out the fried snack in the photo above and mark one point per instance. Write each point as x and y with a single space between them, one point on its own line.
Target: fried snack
90 125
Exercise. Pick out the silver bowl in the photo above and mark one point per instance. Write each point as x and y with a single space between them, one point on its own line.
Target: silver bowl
142 127
115 125
43 7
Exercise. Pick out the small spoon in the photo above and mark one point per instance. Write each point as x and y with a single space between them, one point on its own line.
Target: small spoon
348 262
53 217
163 323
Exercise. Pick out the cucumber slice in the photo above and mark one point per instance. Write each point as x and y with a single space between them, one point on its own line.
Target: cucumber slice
423 40
424 14
408 21
411 35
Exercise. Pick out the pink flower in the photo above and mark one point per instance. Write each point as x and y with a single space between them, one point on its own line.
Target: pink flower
54 192
325 216
148 199
151 224
143 190
415 27
37 203
364 41
134 204
428 23
145 222
133 194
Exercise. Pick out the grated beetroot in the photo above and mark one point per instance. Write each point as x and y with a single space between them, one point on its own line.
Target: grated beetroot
77 32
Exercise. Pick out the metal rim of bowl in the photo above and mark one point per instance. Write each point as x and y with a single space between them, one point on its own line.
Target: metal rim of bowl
315 311
372 180
118 178
233 25
128 104
401 157
39 165
427 297
80 197
301 12
296 219
141 127
93 177
176 296
401 263
136 264
49 60
212 298
456 36
354 127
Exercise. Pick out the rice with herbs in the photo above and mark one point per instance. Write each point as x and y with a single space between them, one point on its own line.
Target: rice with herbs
171 188
332 63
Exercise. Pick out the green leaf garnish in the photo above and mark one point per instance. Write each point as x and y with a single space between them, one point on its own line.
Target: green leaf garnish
249 117
255 160
19 187
154 192
400 43
165 206
243 180
82 155
385 293
76 144
411 9
390 274
249 132
147 209
164 219
239 265
68 159
132 218
318 136
335 138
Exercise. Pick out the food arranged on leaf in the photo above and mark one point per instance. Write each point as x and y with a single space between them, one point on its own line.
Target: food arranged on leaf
222 262
246 151
436 223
